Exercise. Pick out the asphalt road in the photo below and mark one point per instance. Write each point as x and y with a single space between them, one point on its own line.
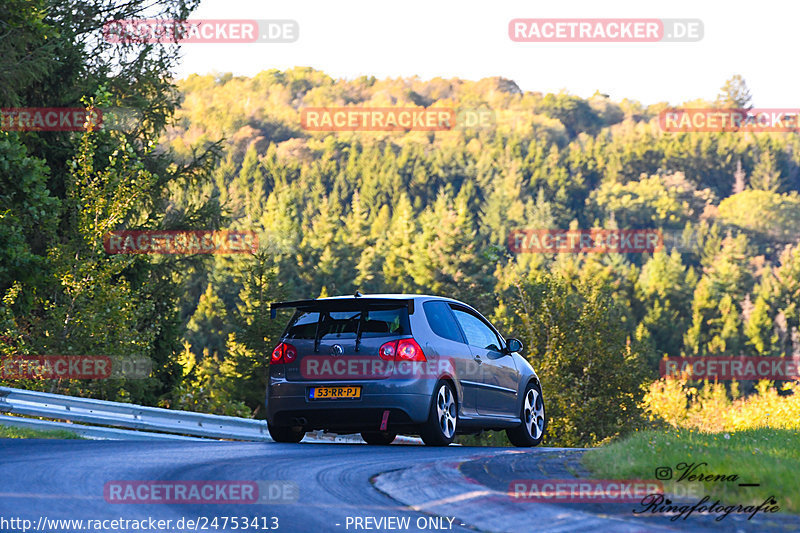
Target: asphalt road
331 488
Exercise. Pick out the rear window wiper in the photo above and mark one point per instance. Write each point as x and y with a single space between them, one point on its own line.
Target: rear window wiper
317 332
360 328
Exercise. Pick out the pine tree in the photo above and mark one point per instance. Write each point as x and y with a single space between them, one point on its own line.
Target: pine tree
735 94
766 175
397 247
208 328
759 328
665 288
716 315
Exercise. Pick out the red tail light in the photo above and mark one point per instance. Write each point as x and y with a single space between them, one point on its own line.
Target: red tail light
402 350
290 354
409 350
388 350
283 353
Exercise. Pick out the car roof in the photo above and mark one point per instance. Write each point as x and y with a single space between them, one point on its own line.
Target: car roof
417 298
393 296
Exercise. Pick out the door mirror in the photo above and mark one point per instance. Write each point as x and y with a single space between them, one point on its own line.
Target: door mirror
514 345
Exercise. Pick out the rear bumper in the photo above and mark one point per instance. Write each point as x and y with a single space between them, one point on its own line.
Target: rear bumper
408 403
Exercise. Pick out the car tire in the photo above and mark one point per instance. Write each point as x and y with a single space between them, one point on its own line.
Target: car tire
378 438
533 416
440 428
285 434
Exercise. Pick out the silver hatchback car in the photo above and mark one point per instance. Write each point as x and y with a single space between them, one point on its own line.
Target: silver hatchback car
385 364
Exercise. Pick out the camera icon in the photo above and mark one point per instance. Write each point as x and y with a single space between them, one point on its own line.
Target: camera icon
663 473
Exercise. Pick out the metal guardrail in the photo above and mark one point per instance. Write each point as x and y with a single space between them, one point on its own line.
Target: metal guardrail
91 432
170 424
125 415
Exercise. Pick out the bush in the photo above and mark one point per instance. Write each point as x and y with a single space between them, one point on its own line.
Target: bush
712 408
592 375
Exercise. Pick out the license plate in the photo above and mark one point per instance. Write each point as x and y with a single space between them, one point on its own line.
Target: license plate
333 393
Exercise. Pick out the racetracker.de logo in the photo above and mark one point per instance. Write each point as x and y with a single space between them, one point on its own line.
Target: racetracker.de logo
583 490
605 30
56 367
44 367
731 368
201 492
584 241
180 242
50 119
378 118
730 120
149 31
367 367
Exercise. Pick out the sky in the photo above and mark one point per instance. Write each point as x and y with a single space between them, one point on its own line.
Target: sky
469 40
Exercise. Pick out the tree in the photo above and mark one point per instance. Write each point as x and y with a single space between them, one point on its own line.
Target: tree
655 201
28 213
396 245
575 113
759 328
208 329
446 259
766 213
591 372
665 288
734 94
766 175
28 45
716 308
255 334
81 300
774 325
205 386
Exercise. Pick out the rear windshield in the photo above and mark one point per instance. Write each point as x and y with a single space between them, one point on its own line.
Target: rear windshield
381 322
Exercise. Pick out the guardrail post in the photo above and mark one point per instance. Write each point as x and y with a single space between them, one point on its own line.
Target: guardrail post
5 407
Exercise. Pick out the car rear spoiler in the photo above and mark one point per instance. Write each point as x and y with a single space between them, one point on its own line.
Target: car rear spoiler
360 302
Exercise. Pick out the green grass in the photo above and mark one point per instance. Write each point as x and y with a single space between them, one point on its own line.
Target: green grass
25 433
770 457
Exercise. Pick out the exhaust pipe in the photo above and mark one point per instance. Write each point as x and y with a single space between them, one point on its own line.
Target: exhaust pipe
301 421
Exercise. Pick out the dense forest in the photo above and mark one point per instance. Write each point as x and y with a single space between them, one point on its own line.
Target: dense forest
409 212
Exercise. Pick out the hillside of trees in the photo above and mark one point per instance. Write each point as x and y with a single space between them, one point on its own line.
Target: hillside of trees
409 212
431 212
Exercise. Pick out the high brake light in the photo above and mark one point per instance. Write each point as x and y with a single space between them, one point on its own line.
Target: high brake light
402 350
283 353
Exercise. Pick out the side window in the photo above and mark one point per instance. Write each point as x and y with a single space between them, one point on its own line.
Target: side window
477 332
441 321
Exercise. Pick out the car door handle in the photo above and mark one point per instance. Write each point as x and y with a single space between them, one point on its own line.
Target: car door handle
478 359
